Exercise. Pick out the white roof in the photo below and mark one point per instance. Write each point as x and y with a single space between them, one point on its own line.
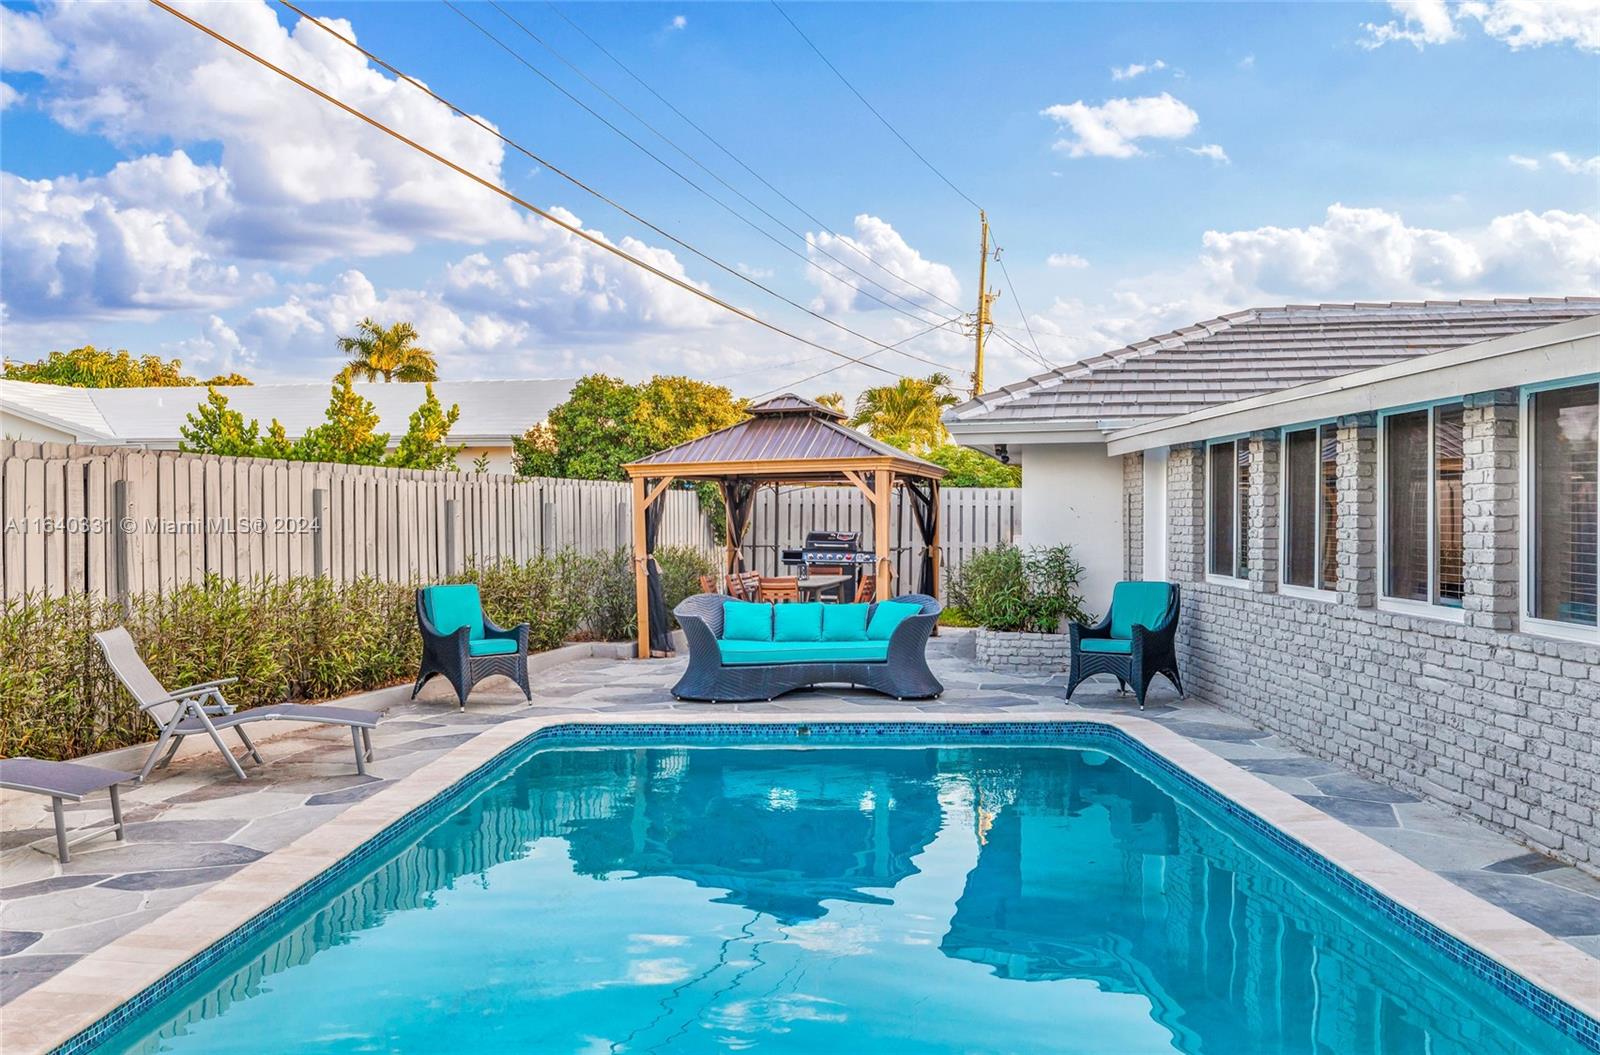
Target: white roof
492 412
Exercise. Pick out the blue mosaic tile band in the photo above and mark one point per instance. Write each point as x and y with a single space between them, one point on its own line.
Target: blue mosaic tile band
1568 1019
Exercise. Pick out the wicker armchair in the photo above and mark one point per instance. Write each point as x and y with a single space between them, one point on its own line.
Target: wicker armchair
1135 641
903 672
460 642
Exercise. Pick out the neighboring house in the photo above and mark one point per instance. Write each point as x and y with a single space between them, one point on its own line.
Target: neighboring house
492 412
1383 519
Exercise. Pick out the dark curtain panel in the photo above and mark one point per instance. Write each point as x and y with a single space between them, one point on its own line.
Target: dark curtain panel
1300 507
1405 500
1220 478
1566 450
927 517
740 497
656 602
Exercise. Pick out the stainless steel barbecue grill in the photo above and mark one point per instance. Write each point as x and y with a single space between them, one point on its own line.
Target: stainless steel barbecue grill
829 549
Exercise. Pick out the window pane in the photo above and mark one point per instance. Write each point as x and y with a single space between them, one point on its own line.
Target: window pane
1241 567
1300 507
1330 508
1219 471
1405 500
1447 502
1564 503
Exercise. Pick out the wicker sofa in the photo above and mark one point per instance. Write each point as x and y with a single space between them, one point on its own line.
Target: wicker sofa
880 646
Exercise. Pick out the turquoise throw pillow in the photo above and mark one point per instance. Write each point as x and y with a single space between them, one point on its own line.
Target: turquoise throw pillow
797 622
845 622
746 621
887 616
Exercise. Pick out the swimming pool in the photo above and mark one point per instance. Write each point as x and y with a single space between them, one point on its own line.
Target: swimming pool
654 890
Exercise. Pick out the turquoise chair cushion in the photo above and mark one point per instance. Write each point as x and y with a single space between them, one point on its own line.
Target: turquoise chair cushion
746 621
887 616
845 622
492 646
797 622
749 653
1138 603
452 607
1121 647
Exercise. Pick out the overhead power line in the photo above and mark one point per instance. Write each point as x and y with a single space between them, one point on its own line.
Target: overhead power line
571 228
875 112
714 141
823 373
546 163
1000 259
658 159
659 134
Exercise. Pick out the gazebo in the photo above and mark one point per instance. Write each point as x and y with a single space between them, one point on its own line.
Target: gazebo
790 441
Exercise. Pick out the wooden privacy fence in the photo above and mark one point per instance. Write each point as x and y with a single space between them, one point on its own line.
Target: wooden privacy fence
117 521
971 519
114 521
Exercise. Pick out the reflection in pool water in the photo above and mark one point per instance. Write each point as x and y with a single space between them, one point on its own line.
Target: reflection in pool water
974 899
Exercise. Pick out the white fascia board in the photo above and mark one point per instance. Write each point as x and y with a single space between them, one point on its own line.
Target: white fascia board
9 409
1567 349
988 433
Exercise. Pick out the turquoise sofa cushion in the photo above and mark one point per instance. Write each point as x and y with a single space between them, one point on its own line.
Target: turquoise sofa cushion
887 616
1116 646
1138 603
750 653
452 607
797 622
746 621
845 622
492 646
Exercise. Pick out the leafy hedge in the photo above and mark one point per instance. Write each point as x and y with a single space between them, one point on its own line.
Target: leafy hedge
1007 588
302 639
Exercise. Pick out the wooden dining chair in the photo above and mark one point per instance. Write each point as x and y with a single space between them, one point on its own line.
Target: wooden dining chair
708 584
779 589
866 589
745 585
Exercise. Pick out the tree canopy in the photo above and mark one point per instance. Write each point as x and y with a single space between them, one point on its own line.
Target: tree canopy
390 352
91 367
907 413
968 468
606 423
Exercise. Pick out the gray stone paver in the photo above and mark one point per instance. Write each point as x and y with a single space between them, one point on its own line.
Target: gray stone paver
192 825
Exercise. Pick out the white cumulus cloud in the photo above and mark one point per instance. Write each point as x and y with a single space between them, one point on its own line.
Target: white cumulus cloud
1516 23
1212 151
1576 166
838 289
1134 69
1066 260
1111 129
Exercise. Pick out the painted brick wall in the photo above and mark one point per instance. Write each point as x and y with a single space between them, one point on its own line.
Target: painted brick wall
1133 501
1500 726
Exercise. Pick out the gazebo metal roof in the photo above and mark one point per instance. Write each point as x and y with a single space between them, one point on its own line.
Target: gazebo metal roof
780 436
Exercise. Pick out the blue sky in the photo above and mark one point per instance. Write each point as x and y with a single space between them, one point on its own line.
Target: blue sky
1145 166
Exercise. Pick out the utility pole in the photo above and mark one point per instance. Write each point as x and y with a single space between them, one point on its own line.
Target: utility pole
986 298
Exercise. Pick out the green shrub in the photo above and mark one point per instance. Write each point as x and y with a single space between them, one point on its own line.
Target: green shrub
298 639
1007 588
611 612
681 568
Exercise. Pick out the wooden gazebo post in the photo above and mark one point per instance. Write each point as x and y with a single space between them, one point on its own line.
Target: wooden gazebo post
790 440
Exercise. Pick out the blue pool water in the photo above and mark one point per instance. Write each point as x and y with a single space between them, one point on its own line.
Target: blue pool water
967 898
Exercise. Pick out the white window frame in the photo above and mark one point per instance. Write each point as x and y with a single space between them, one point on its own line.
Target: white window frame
1211 576
1527 622
1288 589
1405 605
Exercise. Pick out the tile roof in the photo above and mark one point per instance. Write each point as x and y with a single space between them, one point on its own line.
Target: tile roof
1248 353
490 410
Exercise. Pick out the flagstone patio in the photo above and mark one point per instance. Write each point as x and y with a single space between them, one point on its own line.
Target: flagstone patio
192 825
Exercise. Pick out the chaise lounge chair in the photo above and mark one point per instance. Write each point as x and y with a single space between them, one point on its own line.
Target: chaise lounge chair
1134 642
460 642
200 708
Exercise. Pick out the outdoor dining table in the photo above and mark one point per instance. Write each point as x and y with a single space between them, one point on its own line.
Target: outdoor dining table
813 585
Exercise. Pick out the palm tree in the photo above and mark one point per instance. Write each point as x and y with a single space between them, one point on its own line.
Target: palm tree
906 413
389 352
831 400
